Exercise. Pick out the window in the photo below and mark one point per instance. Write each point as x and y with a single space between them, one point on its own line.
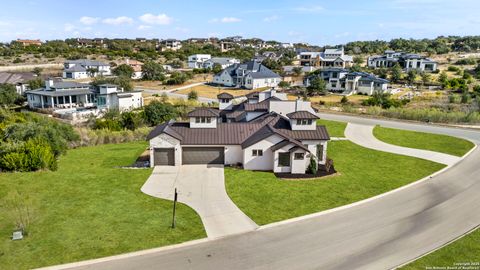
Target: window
320 152
257 152
284 159
304 122
102 101
203 120
299 156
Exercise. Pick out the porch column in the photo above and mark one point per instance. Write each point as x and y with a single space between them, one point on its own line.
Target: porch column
53 102
70 101
41 101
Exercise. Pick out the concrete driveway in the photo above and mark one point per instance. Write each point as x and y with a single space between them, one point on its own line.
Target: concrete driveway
202 187
362 134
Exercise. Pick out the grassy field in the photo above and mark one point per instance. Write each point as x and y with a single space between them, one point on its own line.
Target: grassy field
363 173
334 128
464 250
89 208
157 85
434 142
208 91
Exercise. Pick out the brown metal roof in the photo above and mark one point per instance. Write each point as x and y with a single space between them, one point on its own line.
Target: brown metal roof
264 105
225 95
204 112
302 115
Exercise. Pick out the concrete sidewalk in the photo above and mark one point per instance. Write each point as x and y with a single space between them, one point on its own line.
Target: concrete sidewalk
363 135
201 187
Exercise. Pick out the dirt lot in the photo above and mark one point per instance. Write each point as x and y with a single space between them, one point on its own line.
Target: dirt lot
212 92
157 85
355 99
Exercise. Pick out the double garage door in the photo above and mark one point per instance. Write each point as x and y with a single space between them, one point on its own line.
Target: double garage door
203 155
190 155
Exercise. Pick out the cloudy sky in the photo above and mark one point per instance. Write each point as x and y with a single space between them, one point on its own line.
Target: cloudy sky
315 22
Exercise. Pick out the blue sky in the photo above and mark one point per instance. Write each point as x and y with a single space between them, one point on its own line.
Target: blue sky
314 22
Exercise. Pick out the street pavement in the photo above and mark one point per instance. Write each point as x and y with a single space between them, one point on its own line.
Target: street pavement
379 233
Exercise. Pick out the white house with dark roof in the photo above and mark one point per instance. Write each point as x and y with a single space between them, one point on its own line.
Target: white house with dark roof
249 75
407 61
207 61
80 69
327 58
339 80
282 142
68 95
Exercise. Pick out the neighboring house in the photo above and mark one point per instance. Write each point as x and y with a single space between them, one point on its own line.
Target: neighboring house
327 58
19 79
281 141
79 69
61 95
29 42
137 68
224 62
407 61
170 45
343 81
197 60
249 75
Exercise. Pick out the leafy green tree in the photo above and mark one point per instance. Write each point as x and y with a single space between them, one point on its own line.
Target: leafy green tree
124 70
37 71
317 86
426 78
284 84
157 112
344 100
9 95
443 77
396 73
153 71
297 71
358 60
216 68
411 76
35 83
193 95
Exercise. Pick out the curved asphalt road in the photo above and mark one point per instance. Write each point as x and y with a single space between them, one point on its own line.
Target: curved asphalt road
378 234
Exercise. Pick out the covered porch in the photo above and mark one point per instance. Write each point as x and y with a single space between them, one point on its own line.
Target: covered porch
58 100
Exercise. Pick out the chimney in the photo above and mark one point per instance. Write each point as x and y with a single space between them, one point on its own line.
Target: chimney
298 101
48 83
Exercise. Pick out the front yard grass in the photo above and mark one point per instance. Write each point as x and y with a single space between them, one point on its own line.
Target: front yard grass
89 208
363 173
334 128
464 250
427 141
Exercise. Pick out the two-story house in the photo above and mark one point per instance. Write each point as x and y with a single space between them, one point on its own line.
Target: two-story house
406 61
327 58
249 75
282 137
84 68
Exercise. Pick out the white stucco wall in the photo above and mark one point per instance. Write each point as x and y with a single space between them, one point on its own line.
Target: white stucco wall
212 124
166 141
129 103
261 82
265 162
283 107
225 105
299 166
233 154
295 126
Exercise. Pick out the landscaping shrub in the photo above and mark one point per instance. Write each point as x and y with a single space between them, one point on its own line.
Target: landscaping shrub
157 112
193 95
90 137
313 166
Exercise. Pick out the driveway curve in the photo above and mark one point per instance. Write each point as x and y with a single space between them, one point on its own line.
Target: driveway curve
362 134
202 187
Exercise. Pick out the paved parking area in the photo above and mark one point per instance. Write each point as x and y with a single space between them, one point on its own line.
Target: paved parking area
201 187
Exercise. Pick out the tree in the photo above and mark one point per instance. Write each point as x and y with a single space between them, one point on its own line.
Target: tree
443 77
411 76
284 84
297 71
344 100
157 112
317 86
124 70
153 71
38 71
92 71
425 78
216 68
193 95
9 95
35 83
396 73
358 60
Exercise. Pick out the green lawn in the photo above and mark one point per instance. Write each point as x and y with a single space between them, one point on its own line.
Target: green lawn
363 173
90 208
334 128
464 250
434 142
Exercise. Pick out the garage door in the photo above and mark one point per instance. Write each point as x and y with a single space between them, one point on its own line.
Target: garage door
202 155
163 156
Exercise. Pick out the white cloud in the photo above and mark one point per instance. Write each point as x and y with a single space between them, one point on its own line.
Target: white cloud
89 20
143 27
161 19
118 20
270 18
310 9
226 20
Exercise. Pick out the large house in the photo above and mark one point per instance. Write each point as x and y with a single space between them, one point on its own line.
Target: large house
63 95
29 42
170 45
327 58
282 138
343 81
207 61
407 61
84 68
249 75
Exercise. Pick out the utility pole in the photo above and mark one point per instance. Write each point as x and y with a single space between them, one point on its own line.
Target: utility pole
174 207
